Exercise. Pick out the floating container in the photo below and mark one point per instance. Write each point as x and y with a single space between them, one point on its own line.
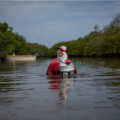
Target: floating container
66 69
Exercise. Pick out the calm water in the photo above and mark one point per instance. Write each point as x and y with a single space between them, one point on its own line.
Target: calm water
26 93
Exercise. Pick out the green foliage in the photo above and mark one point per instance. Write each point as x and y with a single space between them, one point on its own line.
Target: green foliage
36 48
7 43
96 43
13 42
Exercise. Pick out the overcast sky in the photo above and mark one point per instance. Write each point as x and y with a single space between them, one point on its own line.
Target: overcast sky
50 22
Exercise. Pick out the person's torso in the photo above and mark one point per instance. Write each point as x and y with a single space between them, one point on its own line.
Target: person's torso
55 63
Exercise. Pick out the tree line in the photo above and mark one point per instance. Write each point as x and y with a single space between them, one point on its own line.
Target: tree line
13 42
105 42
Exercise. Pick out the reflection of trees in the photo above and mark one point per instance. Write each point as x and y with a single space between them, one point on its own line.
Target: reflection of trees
10 65
11 78
6 87
97 60
62 85
105 76
96 63
10 85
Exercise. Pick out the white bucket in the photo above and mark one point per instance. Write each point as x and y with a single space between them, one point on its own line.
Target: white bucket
66 70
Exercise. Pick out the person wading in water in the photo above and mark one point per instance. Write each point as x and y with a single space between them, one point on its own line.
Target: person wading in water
62 57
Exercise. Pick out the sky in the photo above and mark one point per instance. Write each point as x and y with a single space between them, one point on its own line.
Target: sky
49 22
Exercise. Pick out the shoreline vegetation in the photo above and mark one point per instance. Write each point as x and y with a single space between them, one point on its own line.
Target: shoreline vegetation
98 43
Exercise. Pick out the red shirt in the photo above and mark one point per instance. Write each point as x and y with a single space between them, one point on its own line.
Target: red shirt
53 68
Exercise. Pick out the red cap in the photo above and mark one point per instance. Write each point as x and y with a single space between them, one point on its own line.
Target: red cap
63 48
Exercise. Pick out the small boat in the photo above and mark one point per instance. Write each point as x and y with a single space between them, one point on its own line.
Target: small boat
20 57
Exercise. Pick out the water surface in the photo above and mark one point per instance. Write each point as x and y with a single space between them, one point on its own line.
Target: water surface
27 93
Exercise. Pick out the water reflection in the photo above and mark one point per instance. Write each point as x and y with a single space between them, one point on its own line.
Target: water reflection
7 66
65 85
13 80
61 85
94 94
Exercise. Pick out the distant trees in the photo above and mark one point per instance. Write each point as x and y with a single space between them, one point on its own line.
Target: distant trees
40 49
7 40
13 42
96 43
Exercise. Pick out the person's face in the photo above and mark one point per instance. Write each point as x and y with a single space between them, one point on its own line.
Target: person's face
60 54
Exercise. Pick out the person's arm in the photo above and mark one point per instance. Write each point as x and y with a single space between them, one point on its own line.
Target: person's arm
75 70
49 70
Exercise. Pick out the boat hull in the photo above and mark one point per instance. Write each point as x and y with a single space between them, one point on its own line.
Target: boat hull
21 57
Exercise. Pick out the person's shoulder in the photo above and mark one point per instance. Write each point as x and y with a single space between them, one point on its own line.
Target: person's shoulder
68 60
54 61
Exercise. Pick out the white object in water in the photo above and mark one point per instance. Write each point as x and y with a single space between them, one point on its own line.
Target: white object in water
66 68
